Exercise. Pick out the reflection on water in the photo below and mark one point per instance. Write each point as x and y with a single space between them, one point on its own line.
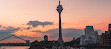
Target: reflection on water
14 47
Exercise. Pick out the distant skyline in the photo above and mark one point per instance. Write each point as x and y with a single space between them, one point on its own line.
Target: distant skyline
19 17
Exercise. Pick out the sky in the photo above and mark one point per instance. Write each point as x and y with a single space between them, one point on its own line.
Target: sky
32 19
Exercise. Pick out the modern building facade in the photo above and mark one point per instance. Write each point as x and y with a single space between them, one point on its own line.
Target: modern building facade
59 9
90 37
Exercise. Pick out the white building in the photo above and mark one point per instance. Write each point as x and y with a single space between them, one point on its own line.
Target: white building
90 37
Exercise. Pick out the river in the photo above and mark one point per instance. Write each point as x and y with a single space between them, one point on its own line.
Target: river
14 47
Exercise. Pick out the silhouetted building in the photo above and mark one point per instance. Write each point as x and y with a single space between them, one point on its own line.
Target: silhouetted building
59 9
45 38
105 38
28 42
73 38
90 37
109 29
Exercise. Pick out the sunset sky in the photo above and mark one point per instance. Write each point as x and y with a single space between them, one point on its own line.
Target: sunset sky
19 17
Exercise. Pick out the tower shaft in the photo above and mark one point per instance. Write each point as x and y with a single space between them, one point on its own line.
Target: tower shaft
60 28
59 9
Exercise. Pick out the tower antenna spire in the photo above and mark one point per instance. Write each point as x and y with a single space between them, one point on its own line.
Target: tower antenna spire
59 2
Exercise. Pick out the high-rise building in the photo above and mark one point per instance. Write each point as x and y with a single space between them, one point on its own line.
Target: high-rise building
109 30
59 9
90 37
45 38
105 38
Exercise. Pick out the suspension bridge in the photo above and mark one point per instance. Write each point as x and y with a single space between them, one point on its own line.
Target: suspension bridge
15 44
